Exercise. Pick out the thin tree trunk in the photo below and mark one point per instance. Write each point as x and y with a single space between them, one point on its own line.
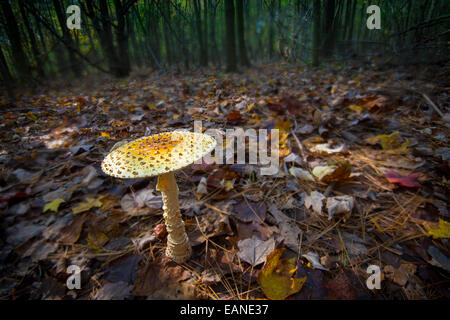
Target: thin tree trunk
122 39
198 24
329 27
6 76
166 32
230 43
12 31
271 30
352 21
205 29
214 49
316 34
241 33
33 42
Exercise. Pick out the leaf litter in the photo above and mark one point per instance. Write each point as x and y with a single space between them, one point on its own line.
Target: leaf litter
363 180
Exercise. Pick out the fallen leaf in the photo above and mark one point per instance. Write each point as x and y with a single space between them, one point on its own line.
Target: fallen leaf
70 234
105 135
201 187
247 211
439 259
113 291
289 231
54 205
144 202
96 239
254 250
356 108
326 149
340 206
87 205
390 143
340 288
406 181
292 157
158 274
301 174
442 230
335 173
401 274
315 200
276 277
313 258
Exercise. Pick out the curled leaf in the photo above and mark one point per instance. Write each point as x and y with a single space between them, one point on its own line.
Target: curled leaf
333 173
276 277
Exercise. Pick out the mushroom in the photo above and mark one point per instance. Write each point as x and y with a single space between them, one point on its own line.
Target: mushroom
161 155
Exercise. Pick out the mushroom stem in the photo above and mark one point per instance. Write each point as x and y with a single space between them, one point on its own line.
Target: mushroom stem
178 246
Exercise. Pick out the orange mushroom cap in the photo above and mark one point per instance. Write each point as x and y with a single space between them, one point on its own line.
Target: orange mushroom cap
157 154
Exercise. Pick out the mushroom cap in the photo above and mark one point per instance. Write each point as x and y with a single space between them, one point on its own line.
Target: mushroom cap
157 154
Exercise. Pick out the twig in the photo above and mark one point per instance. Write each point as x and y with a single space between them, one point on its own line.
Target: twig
300 146
431 103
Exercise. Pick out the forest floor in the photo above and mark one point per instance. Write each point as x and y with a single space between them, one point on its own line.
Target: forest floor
364 169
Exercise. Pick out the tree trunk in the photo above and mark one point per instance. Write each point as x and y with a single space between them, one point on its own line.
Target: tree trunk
12 31
230 43
241 37
205 29
33 42
122 39
166 32
200 37
271 31
6 74
329 28
352 21
214 49
316 33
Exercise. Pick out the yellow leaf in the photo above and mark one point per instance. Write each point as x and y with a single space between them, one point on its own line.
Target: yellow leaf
356 108
106 135
276 277
390 143
228 186
87 205
442 230
54 205
250 107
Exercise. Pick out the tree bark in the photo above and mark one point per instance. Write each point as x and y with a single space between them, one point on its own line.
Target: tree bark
200 37
316 34
230 42
12 31
122 39
329 27
241 33
166 32
33 42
